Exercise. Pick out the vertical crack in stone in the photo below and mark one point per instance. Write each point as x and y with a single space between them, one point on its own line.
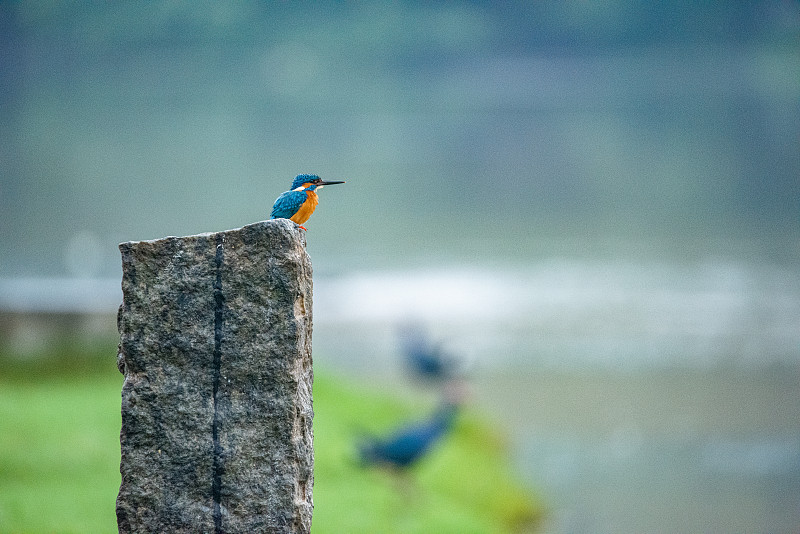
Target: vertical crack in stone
219 305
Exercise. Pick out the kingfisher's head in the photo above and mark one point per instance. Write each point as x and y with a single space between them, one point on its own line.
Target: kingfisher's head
309 182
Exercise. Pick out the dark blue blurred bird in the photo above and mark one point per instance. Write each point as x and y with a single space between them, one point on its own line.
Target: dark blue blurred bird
301 200
423 358
406 445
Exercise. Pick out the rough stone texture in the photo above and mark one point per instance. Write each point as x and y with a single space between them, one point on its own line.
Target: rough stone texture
215 346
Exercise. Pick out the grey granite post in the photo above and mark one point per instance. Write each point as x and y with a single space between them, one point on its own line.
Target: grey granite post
215 346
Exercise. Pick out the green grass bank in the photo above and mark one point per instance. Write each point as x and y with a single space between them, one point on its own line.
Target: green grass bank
59 456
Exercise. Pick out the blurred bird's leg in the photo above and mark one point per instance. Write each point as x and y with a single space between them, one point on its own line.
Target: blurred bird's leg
456 391
405 484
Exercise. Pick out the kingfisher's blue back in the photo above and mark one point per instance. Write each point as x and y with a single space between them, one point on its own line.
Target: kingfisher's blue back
287 204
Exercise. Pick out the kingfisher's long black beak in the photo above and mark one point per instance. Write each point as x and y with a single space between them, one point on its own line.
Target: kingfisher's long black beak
323 182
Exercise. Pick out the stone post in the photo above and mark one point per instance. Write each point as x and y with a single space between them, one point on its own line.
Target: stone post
215 346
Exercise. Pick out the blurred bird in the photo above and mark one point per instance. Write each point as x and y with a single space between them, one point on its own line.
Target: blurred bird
301 200
423 358
407 445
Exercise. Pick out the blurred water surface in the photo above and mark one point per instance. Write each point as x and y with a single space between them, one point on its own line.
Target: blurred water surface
568 314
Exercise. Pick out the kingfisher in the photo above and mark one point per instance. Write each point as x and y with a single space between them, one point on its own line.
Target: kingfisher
301 200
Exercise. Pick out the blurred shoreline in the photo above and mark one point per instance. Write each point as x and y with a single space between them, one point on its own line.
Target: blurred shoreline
554 313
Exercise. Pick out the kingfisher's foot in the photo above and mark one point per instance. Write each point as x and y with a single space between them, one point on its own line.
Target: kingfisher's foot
303 227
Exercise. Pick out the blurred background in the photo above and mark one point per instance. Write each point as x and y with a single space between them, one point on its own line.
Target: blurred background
593 205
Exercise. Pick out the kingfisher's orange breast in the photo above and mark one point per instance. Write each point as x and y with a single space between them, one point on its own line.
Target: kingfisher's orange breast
308 207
